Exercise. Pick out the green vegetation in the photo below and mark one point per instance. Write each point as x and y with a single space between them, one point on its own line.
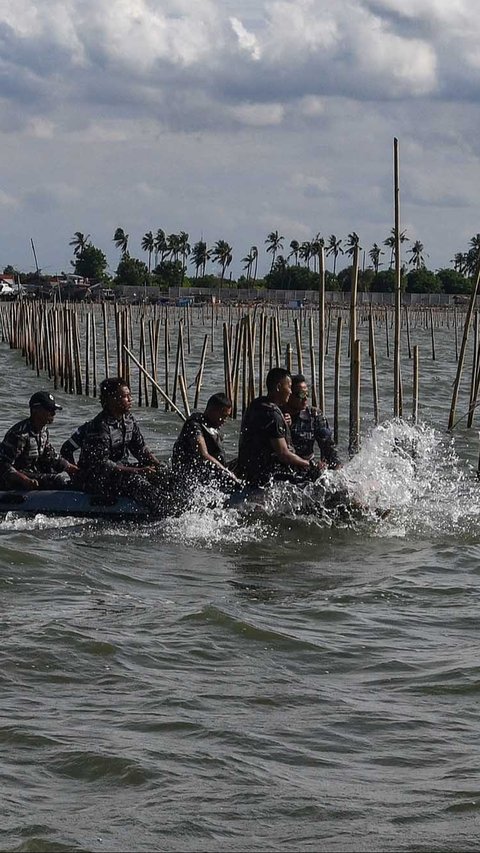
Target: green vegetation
170 255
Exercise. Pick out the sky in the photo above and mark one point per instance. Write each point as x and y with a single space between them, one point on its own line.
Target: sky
230 119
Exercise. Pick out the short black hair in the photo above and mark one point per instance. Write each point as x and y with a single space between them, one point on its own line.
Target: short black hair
298 379
276 375
219 401
111 386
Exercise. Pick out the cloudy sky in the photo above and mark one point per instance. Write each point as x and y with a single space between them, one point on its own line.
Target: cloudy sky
229 119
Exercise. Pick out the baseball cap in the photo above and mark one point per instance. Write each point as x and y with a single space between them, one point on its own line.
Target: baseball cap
44 400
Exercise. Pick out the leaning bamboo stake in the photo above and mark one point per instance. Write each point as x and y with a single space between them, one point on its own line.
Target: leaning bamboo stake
166 355
184 393
164 396
236 370
298 342
313 384
198 383
463 347
432 333
227 366
415 385
407 323
153 336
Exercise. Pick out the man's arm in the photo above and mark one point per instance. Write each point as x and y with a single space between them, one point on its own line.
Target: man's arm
286 456
203 451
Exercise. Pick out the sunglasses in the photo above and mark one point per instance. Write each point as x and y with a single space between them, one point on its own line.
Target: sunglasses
302 395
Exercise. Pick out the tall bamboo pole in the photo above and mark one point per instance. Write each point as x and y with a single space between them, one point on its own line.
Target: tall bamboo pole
397 409
321 332
463 347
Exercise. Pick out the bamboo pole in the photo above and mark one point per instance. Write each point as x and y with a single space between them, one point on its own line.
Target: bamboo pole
373 362
160 390
397 408
321 334
432 335
198 383
354 432
463 347
336 391
415 385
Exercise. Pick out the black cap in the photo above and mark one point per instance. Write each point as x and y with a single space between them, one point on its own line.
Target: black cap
44 400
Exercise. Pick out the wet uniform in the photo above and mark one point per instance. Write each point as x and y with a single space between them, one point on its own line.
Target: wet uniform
74 443
257 464
189 466
308 427
107 442
30 453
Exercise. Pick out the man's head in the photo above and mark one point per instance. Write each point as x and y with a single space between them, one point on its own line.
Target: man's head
218 409
279 385
299 398
115 396
43 408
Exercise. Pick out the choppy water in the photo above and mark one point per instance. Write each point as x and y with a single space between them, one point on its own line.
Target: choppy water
248 681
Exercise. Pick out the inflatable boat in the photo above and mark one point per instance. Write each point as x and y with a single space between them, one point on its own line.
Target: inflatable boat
70 503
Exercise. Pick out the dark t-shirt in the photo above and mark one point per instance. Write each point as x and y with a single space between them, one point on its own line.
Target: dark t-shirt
262 421
186 456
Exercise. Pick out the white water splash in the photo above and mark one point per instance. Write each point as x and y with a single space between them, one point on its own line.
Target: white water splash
416 474
17 522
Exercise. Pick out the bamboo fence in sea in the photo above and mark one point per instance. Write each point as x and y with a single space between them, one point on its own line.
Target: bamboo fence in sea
156 348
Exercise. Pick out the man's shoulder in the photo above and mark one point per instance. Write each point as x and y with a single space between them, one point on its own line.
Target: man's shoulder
23 426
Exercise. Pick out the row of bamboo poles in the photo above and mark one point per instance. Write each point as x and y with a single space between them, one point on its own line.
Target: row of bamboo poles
77 345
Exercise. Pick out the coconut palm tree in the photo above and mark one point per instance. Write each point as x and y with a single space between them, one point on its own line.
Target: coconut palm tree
458 262
161 247
374 255
334 248
305 252
254 254
317 245
173 246
183 250
353 242
148 245
79 243
472 257
200 256
222 254
121 241
417 255
295 247
390 242
274 245
247 262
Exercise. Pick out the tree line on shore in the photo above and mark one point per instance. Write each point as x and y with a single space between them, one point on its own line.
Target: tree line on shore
169 257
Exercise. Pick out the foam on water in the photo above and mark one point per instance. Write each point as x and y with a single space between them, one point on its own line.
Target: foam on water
415 472
17 522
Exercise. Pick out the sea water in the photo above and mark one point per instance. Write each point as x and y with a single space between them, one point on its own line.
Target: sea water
256 678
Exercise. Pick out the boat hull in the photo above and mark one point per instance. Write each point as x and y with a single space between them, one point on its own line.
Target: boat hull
69 503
